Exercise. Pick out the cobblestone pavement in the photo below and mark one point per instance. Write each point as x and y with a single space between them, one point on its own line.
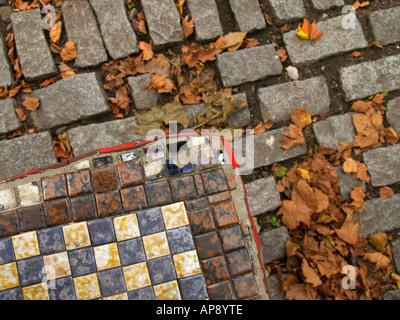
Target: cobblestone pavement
328 78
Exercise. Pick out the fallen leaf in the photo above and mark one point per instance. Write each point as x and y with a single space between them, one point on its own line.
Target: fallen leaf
390 135
187 26
294 213
263 126
364 4
147 49
179 6
301 118
251 43
234 40
295 137
163 85
358 196
396 278
282 54
314 34
31 103
356 54
55 33
361 106
310 275
376 257
349 231
68 52
386 192
31 130
378 240
304 30
65 70
378 45
20 114
159 65
48 82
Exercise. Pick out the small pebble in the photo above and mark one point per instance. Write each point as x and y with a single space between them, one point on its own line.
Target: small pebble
293 73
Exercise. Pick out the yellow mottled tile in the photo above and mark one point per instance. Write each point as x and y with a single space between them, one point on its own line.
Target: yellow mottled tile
76 235
156 245
175 215
25 245
136 276
36 292
167 291
57 265
121 296
8 276
106 256
126 227
187 264
87 287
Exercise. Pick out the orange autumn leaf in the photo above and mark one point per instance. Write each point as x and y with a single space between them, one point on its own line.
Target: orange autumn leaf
147 49
251 43
47 82
55 33
314 34
179 6
386 192
20 114
31 103
301 118
163 85
263 126
187 26
349 231
376 257
295 137
390 135
68 52
65 70
356 54
358 196
282 54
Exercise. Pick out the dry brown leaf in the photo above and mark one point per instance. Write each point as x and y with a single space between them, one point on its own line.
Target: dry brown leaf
310 275
55 33
295 137
358 196
356 54
163 85
251 43
282 54
187 26
301 118
234 40
263 126
386 192
376 257
20 114
68 52
159 65
390 135
294 213
48 82
31 103
378 240
349 232
147 49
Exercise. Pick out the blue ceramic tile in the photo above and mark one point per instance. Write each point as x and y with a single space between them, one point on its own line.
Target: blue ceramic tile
193 288
99 162
61 289
101 231
51 240
180 240
131 251
6 251
111 282
12 294
142 294
31 271
161 270
150 221
173 170
129 156
82 261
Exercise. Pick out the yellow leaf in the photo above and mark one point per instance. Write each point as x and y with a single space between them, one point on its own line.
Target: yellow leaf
378 240
305 174
179 5
302 34
396 278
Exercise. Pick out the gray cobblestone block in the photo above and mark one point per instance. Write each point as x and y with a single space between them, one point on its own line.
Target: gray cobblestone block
248 15
262 195
347 183
8 118
395 246
393 114
275 288
273 244
383 165
33 50
25 153
6 74
335 129
391 295
248 65
278 102
286 10
103 135
365 79
335 40
327 4
142 98
163 21
79 16
206 19
118 35
242 117
385 25
68 100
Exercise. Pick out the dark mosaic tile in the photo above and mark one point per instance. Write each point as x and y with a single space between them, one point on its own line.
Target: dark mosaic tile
238 262
51 240
245 286
101 231
104 179
193 288
225 214
215 270
8 223
131 251
205 162
161 270
208 245
111 282
173 170
62 289
130 174
56 212
146 293
183 189
6 251
158 194
11 294
223 196
31 271
82 261
221 291
201 221
129 156
31 218
79 183
231 238
54 187
150 221
83 208
214 181
102 161
196 204
134 198
199 185
108 203
230 178
180 240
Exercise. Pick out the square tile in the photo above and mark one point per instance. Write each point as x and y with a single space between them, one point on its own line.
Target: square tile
31 218
161 270
150 221
7 199
104 179
11 294
8 223
218 197
174 170
56 212
129 156
136 276
54 187
175 215
57 265
36 292
79 183
126 227
29 194
131 251
208 245
108 203
230 178
142 294
198 180
121 296
107 256
193 288
180 240
225 214
187 264
245 286
25 245
81 165
101 231
87 287
167 291
215 270
62 289
102 161
83 208
221 291
214 181
183 189
9 276
231 238
51 240
154 170
6 251
201 221
158 194
156 245
130 174
134 198
31 271
111 282
238 262
196 204
82 261
76 235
